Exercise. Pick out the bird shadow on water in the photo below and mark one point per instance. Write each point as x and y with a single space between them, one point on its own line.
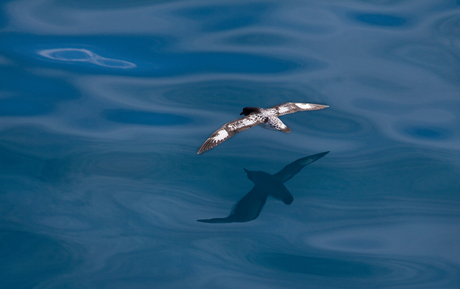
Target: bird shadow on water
265 184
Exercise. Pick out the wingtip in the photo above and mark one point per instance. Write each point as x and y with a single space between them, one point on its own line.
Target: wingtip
203 148
320 155
216 220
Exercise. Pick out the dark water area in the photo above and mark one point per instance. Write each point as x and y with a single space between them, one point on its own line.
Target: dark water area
104 105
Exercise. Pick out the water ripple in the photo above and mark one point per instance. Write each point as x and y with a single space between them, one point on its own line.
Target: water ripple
28 94
436 58
224 16
145 117
258 39
427 132
449 26
378 19
29 259
84 55
325 267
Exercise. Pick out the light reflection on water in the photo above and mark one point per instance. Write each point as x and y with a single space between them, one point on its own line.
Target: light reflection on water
83 55
103 105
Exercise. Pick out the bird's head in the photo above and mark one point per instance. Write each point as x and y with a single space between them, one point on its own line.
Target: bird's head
249 110
257 176
251 174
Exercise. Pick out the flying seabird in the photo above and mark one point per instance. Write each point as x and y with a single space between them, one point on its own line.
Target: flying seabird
255 116
265 184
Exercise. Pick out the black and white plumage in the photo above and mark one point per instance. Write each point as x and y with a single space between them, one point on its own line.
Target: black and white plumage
249 207
254 116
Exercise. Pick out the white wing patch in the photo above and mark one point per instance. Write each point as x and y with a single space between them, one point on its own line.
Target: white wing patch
228 130
246 122
283 109
304 105
291 107
221 135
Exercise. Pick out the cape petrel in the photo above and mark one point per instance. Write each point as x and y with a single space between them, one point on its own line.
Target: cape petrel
254 116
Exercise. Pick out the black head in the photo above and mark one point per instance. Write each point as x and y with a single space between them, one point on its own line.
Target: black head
249 110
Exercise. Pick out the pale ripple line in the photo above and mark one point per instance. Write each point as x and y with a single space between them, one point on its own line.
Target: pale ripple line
84 55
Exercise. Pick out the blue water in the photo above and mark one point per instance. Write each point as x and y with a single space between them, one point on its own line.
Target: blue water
104 104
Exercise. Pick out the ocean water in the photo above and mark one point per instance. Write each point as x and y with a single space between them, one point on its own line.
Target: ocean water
104 104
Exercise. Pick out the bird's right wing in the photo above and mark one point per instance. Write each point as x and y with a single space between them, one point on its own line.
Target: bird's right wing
293 168
228 130
291 107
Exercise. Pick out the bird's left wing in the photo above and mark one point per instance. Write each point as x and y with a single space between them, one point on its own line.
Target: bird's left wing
291 107
228 130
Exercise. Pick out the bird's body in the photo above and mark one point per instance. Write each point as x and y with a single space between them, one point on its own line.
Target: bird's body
254 116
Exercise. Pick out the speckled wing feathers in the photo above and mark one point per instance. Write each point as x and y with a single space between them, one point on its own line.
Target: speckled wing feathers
277 124
230 129
291 107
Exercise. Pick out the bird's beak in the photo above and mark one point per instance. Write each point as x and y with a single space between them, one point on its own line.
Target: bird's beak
241 113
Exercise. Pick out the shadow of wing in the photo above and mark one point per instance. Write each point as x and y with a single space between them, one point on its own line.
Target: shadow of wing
293 168
247 209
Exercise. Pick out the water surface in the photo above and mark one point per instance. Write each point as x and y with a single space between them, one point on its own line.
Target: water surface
104 104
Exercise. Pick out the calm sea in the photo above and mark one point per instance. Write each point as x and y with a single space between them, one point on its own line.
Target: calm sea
104 104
